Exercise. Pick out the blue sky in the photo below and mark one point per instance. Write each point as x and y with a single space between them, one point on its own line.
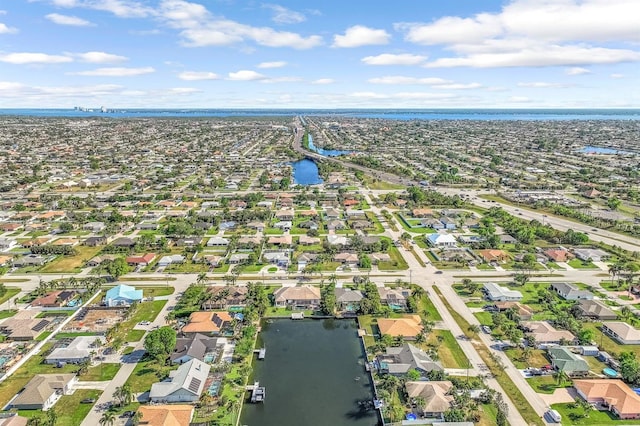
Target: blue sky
329 54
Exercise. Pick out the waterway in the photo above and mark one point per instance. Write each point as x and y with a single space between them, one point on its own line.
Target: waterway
326 152
314 375
305 172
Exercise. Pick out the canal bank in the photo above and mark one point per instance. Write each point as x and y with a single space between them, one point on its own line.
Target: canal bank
314 373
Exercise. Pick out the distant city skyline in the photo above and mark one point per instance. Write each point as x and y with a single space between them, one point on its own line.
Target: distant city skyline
330 54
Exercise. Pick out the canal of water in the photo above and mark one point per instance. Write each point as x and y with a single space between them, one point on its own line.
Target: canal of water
314 375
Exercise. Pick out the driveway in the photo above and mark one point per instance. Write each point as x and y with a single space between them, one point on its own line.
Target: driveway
559 396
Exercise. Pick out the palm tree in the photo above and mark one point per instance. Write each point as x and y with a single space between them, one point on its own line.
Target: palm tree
137 418
108 418
123 394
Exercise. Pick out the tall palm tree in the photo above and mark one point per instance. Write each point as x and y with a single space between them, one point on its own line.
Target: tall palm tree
108 418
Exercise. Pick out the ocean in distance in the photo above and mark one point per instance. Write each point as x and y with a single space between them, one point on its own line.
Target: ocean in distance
390 114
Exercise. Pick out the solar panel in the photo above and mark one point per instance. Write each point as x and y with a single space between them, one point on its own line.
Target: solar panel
194 385
39 326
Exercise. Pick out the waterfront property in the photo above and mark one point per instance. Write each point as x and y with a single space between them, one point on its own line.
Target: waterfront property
314 375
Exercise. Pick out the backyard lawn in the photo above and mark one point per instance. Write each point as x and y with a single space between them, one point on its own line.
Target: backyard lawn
71 263
545 384
146 372
573 416
449 351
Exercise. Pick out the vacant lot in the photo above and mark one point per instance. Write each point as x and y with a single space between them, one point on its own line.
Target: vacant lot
95 320
71 263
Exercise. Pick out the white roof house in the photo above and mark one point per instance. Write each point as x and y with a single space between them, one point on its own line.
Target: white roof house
78 351
442 240
185 385
500 294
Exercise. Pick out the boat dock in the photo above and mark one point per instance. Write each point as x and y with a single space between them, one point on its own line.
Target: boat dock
257 393
297 315
262 352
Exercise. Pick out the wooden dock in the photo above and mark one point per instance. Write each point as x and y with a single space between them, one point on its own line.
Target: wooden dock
262 352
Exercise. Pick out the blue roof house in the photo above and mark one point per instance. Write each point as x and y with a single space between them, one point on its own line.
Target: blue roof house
123 295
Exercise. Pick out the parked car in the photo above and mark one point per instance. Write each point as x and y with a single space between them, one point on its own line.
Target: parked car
88 401
486 329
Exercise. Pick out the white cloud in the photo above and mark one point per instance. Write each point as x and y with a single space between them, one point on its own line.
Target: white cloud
197 75
199 28
282 15
617 76
540 56
323 81
285 79
33 58
399 79
274 64
543 85
73 21
391 59
4 29
359 35
534 33
120 8
576 71
451 30
246 75
184 90
116 72
434 82
100 57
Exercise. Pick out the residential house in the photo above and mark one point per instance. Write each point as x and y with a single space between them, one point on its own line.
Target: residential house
590 254
166 415
441 240
302 297
399 360
332 214
184 385
237 258
524 312
249 241
337 240
449 224
421 213
30 260
285 215
498 293
336 224
612 394
595 309
408 326
378 257
212 260
7 244
280 240
284 225
24 326
173 259
207 322
562 359
258 226
432 223
507 239
217 242
494 255
280 258
394 297
54 299
622 332
141 260
43 391
124 242
305 240
195 346
122 295
94 227
309 224
95 261
348 300
435 397
95 241
558 255
546 334
346 258
355 214
305 259
78 351
569 291
225 297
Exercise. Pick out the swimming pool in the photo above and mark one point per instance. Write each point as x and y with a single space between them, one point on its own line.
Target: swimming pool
610 372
